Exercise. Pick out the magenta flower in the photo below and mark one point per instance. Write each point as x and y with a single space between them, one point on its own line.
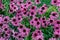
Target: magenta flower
35 22
54 15
13 7
56 28
32 13
57 23
42 9
32 22
11 11
21 27
6 19
15 21
37 1
33 8
19 18
42 18
53 2
57 34
6 36
51 21
5 26
15 34
29 3
24 32
37 34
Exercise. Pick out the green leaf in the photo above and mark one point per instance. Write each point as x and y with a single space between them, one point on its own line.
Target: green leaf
6 4
12 38
49 10
39 5
13 27
38 15
46 1
25 21
2 12
28 37
47 32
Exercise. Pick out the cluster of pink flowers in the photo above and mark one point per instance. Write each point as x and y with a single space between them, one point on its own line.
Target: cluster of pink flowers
24 10
4 24
37 35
